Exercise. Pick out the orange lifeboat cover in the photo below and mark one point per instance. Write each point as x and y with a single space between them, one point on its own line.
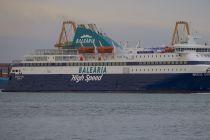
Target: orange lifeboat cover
86 50
103 49
169 49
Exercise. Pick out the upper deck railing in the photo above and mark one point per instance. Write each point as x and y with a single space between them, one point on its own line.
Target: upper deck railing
55 52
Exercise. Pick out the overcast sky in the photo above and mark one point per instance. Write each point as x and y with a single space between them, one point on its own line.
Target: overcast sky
26 25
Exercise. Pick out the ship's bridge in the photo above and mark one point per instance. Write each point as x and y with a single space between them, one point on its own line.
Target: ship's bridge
191 46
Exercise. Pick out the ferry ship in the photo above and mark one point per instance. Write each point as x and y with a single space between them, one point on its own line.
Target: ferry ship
95 62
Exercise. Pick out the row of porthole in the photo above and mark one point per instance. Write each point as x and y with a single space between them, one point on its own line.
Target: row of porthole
156 56
38 58
75 64
156 70
203 55
105 63
197 49
164 63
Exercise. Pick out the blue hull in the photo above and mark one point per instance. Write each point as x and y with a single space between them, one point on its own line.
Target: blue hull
3 82
112 82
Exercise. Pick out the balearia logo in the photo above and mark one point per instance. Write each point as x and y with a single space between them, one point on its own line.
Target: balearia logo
92 70
86 39
86 36
89 74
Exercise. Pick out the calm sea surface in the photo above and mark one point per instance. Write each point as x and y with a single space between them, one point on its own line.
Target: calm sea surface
104 116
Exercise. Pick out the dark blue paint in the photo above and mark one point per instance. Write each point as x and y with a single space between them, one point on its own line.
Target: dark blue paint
3 82
114 82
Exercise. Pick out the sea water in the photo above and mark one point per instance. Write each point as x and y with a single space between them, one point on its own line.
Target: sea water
104 116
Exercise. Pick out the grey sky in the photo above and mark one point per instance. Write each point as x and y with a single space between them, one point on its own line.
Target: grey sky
26 25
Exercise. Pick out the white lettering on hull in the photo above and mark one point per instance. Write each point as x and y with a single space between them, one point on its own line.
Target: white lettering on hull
19 77
200 74
86 78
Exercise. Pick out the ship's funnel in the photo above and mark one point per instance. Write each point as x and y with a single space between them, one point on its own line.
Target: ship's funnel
91 38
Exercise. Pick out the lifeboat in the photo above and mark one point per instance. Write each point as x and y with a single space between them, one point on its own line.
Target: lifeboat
81 58
168 49
86 50
103 49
